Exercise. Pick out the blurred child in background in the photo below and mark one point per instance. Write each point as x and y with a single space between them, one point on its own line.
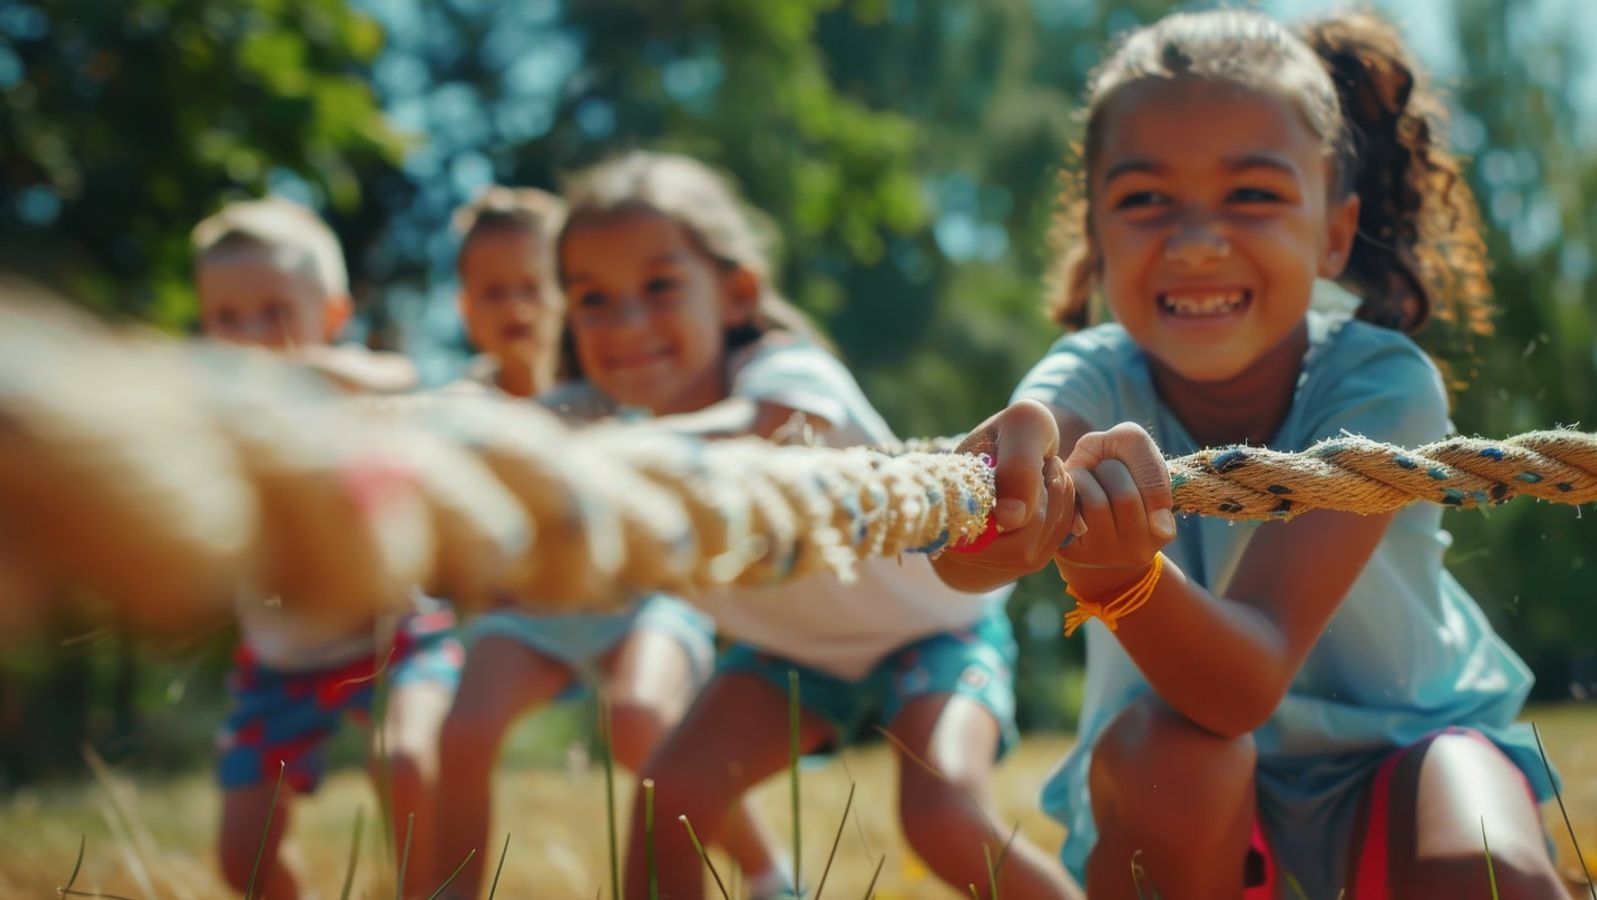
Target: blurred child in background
650 659
674 311
270 274
512 309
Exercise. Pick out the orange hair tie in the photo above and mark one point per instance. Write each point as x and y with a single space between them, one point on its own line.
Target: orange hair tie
1112 611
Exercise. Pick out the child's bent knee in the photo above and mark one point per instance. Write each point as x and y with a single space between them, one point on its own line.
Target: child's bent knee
404 768
1514 877
1150 754
469 736
683 788
634 733
937 823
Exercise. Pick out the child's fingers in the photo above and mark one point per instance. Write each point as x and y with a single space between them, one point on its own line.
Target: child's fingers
1092 504
1030 547
1059 515
1125 501
1135 449
1026 436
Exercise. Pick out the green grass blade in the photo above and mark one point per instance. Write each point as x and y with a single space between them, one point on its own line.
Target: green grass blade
932 770
1559 796
836 839
1009 842
503 852
260 851
870 889
648 838
97 895
704 857
793 777
83 844
69 891
992 872
1491 875
458 869
385 766
1297 887
354 853
609 792
1140 875
404 858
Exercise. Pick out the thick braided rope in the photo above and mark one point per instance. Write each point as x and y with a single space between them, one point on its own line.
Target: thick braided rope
167 477
1353 474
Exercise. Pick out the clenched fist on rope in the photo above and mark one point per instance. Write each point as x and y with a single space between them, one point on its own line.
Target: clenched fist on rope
165 476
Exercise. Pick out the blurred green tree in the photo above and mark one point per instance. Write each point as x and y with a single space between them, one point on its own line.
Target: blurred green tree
1535 173
123 124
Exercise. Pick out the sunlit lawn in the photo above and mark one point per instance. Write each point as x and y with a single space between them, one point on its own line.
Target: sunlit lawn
153 838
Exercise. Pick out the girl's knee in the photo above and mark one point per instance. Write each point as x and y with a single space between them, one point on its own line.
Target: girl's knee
683 786
1452 798
1515 875
635 730
945 818
403 767
470 738
1150 757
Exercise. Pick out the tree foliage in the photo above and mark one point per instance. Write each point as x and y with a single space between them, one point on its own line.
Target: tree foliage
125 123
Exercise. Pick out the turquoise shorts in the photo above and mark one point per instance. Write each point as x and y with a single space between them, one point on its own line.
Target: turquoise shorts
977 662
581 641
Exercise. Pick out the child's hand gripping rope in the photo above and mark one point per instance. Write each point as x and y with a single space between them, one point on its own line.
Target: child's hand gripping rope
1105 510
118 495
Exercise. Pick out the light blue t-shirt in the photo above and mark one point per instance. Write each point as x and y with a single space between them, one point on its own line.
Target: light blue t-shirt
1408 652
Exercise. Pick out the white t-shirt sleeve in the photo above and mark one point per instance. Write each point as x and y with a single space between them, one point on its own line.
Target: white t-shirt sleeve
801 377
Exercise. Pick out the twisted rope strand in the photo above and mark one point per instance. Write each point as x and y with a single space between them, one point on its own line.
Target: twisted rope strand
1354 474
167 477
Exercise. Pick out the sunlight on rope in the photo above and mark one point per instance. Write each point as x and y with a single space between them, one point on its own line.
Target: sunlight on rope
165 476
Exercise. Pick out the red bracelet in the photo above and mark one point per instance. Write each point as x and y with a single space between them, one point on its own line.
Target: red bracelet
988 534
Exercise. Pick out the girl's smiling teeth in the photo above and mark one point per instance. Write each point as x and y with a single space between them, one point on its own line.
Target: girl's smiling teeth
1204 302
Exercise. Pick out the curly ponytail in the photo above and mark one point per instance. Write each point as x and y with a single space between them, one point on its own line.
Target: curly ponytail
1419 251
1071 283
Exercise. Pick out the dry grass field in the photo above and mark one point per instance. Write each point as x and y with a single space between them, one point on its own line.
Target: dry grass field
152 838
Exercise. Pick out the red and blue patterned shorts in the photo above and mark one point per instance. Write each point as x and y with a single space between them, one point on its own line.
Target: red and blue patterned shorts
286 717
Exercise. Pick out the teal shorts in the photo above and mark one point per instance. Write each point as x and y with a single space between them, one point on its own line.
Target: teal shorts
977 662
581 641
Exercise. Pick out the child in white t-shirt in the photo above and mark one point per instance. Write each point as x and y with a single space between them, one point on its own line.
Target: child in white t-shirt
672 311
651 657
